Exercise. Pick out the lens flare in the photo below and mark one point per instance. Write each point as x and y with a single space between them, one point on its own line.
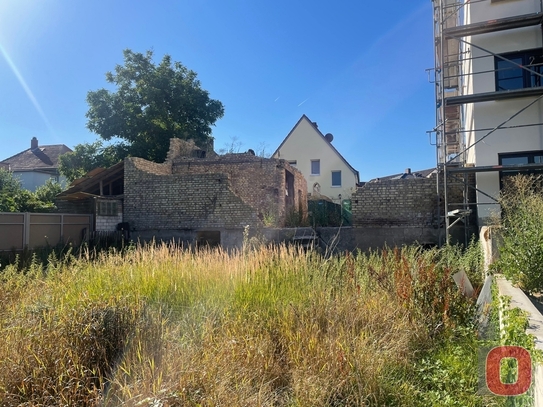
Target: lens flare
26 88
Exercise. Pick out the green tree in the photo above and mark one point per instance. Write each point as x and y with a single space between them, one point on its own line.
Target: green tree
10 187
14 198
88 156
151 104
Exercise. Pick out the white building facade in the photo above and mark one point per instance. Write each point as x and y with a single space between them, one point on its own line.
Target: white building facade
326 171
489 93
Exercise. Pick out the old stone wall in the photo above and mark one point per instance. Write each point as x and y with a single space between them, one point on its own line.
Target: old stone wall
154 198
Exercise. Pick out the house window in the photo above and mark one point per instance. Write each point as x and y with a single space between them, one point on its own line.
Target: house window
293 163
336 178
510 76
107 208
532 157
315 167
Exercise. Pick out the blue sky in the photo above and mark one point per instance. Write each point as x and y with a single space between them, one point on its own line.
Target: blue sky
356 68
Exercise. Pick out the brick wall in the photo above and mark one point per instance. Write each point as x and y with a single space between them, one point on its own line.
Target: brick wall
259 182
156 199
408 202
405 202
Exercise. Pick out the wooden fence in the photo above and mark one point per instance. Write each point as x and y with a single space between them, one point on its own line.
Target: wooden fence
31 230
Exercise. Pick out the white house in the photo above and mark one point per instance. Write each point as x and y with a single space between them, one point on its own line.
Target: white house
489 93
37 164
326 171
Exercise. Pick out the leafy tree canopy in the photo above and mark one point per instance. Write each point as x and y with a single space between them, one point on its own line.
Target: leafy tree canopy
88 156
151 104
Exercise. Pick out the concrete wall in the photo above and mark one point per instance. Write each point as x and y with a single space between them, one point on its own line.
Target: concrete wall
331 240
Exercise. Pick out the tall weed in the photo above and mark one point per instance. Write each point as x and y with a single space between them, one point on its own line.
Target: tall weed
521 232
160 325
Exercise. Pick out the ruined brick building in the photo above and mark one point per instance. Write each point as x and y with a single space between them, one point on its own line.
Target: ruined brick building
199 195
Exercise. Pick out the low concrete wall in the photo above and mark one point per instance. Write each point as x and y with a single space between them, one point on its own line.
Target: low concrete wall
371 238
335 240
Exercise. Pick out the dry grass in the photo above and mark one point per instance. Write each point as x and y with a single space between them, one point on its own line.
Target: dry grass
161 326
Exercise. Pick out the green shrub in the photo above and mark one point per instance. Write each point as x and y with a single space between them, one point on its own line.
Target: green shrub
521 232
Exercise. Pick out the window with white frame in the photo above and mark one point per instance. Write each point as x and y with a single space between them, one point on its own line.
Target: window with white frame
293 163
336 178
315 167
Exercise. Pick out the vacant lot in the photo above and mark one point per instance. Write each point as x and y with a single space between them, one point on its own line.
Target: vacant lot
162 326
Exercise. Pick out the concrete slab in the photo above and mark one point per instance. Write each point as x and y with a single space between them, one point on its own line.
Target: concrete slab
520 300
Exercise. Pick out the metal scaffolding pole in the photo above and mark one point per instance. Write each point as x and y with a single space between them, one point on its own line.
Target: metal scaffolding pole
450 57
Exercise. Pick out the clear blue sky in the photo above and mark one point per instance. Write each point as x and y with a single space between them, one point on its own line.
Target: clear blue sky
357 68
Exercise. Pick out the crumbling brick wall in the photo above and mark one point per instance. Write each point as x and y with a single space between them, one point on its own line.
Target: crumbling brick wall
196 188
260 182
158 200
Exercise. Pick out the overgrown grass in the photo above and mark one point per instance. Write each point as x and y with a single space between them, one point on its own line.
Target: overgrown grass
158 325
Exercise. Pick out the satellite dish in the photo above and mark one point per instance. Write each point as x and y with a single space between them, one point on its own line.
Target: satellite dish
329 137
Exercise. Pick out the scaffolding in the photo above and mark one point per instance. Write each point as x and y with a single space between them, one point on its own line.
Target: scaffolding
452 70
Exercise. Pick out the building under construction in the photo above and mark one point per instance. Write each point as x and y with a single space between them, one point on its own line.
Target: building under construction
489 101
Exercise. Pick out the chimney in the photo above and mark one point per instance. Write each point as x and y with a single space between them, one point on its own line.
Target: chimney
33 143
408 171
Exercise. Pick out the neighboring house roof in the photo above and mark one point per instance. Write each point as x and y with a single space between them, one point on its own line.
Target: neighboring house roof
37 158
408 174
313 124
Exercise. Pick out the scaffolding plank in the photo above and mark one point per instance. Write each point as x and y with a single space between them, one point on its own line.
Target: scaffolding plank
489 168
489 96
501 24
